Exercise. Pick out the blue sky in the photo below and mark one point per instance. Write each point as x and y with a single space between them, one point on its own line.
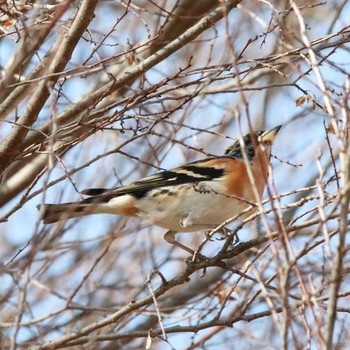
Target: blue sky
300 141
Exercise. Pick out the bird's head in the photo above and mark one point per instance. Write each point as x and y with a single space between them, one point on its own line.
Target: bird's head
251 142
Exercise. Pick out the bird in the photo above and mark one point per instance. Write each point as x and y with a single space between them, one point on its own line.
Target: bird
196 196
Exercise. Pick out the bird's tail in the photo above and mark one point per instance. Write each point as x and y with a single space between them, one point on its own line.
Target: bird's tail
51 213
99 203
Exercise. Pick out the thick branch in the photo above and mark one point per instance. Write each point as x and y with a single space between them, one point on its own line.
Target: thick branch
12 144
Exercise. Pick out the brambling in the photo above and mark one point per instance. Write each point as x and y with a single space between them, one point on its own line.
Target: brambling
196 196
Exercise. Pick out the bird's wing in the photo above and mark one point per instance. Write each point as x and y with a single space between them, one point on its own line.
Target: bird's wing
203 170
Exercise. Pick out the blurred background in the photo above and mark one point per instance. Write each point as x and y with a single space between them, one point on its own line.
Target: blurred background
102 93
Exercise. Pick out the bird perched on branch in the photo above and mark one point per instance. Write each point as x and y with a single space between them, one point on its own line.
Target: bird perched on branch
196 196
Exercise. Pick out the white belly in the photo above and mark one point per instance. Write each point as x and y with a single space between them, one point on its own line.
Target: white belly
189 208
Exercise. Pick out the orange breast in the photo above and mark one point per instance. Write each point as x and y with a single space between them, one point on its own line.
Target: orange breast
237 180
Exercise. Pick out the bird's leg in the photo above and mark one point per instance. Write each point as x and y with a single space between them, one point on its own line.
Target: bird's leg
169 236
209 236
224 233
227 233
